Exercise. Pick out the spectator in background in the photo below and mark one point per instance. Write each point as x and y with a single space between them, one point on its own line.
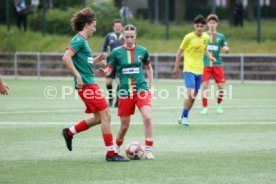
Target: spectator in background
3 87
21 13
238 13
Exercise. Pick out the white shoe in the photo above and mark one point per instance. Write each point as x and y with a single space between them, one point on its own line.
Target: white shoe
149 155
183 121
117 149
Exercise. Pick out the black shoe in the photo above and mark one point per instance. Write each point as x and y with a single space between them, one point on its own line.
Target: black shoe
68 139
110 102
116 158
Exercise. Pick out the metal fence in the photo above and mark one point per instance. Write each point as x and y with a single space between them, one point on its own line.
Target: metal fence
237 66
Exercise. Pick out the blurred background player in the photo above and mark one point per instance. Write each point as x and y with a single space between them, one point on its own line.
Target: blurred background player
113 40
4 89
194 45
129 60
217 41
79 59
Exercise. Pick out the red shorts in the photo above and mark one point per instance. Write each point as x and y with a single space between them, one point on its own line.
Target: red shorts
217 72
93 98
127 104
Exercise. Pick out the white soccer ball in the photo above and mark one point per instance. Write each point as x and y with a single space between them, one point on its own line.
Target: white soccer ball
135 151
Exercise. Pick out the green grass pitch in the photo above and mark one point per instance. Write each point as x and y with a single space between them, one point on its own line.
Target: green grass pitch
238 146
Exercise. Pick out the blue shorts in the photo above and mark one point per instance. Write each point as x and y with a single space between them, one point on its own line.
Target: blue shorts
192 81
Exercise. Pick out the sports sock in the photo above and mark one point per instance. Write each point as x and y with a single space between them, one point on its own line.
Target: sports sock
81 126
119 142
220 97
108 141
109 89
185 113
149 145
204 102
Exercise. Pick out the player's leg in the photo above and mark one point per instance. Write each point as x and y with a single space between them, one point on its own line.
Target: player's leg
125 110
105 119
220 80
117 90
144 105
189 79
109 89
207 73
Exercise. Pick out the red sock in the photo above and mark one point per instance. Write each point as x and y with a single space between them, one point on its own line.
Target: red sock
204 102
81 126
108 141
219 100
119 142
149 145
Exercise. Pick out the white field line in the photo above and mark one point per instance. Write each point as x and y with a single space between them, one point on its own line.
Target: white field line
137 123
154 108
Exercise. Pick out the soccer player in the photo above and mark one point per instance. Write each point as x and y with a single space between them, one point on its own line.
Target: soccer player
194 45
217 41
79 59
3 87
113 40
128 60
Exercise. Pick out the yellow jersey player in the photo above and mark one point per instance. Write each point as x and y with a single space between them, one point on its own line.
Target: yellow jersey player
194 45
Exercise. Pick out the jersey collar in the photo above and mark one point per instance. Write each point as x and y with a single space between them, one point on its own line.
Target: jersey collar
131 48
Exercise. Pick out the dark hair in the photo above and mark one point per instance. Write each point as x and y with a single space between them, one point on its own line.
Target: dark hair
117 21
81 18
200 20
212 17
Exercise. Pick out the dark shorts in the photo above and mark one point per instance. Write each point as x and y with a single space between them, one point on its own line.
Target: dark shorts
112 75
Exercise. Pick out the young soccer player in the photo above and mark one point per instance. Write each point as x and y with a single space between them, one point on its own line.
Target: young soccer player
217 41
113 40
128 60
79 59
194 45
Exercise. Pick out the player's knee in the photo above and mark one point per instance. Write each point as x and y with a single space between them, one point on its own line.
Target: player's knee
147 119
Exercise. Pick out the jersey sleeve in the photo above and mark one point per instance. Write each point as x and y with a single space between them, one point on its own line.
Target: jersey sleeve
111 62
146 58
223 41
105 45
184 43
76 44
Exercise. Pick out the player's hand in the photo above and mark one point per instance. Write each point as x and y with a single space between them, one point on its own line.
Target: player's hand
176 71
103 56
225 49
4 89
151 91
79 82
101 71
213 60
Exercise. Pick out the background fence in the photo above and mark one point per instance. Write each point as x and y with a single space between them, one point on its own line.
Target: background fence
237 66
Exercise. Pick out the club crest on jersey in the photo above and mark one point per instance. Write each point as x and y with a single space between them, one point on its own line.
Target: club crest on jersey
218 40
140 58
204 42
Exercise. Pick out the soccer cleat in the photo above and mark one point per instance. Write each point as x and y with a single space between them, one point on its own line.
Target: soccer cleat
149 155
117 149
204 111
110 102
68 139
183 121
219 109
116 158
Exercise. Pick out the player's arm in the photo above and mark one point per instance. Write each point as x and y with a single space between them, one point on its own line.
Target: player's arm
101 58
105 71
150 76
176 70
225 49
3 87
224 45
67 60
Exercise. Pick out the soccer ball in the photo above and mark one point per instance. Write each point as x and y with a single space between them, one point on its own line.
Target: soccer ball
135 151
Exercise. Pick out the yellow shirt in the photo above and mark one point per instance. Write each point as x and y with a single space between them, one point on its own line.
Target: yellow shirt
194 48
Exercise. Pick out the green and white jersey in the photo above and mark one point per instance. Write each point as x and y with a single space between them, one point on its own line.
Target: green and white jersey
129 66
216 42
83 59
